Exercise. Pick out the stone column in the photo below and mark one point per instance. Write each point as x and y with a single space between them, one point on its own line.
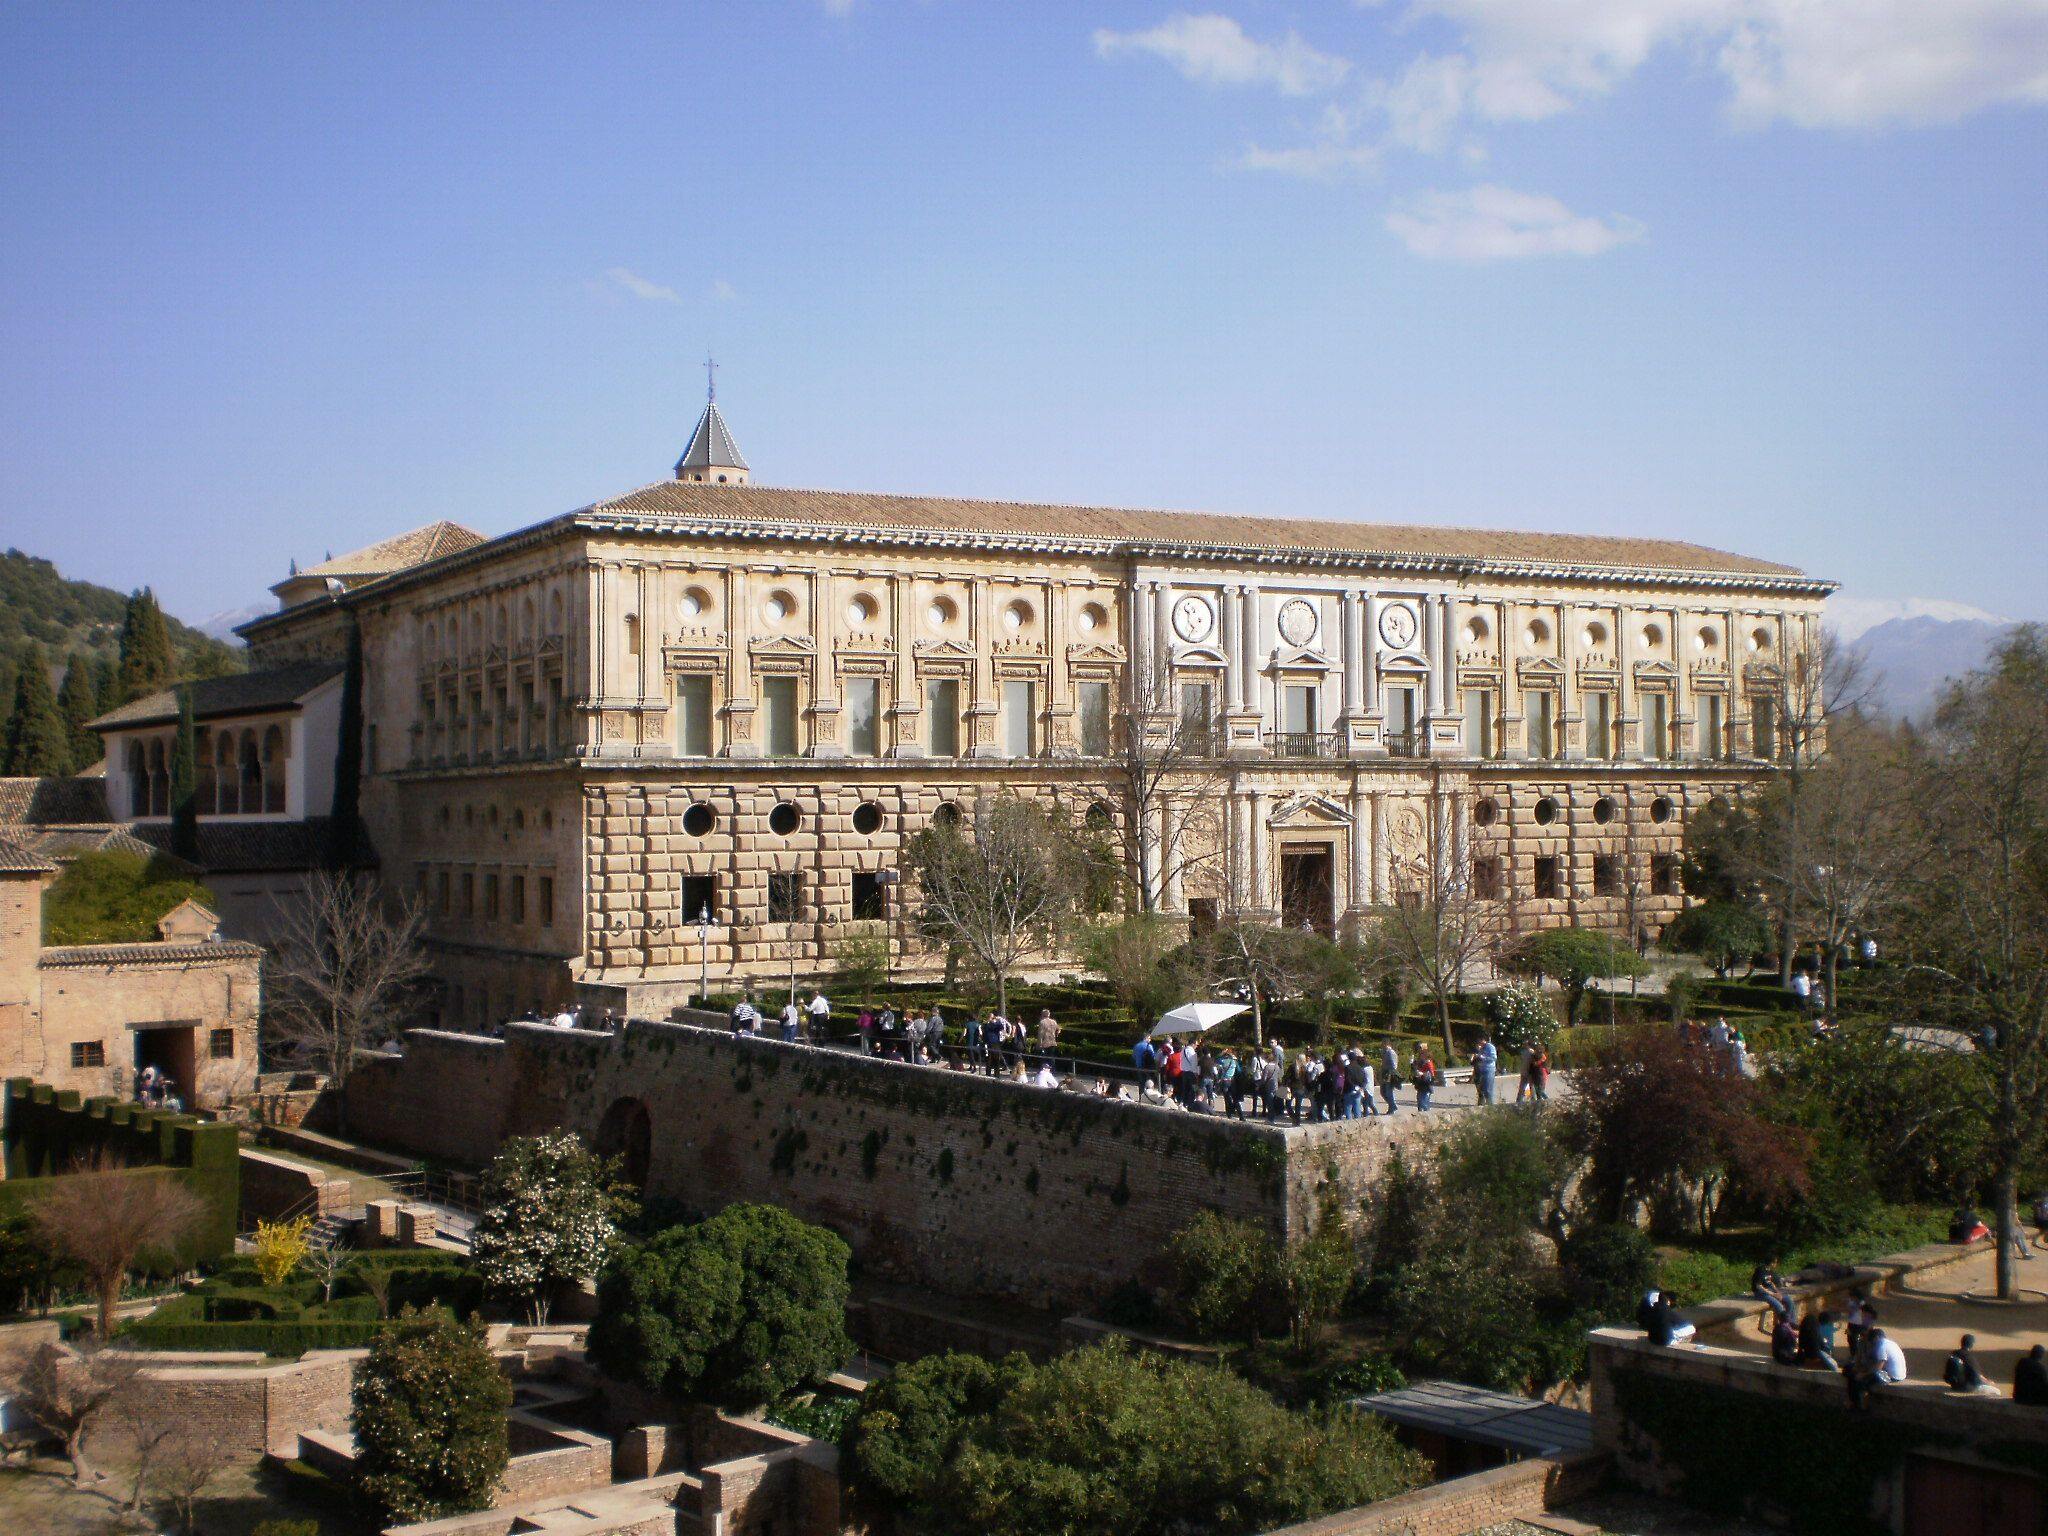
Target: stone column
1361 847
906 706
1231 639
741 740
1369 654
1255 837
1252 632
1172 822
1380 882
1354 654
1059 703
1447 615
1162 645
1570 740
1626 719
1140 648
825 738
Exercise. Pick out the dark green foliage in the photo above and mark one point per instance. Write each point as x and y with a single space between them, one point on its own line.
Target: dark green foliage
736 1311
1721 932
1607 1268
27 1264
1363 1377
1221 1278
234 1310
429 1421
285 1528
1576 957
1104 1441
1143 963
67 617
185 783
147 661
106 685
113 897
821 1415
78 703
344 825
34 743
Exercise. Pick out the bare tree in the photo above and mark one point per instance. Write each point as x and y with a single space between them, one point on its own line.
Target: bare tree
188 1463
376 1279
1261 964
141 1420
1002 889
327 1264
69 1393
344 970
1437 929
104 1218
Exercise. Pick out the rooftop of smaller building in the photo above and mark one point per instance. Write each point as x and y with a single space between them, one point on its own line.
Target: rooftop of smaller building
53 801
244 693
397 553
17 860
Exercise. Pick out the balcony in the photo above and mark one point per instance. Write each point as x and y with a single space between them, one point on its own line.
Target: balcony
1309 744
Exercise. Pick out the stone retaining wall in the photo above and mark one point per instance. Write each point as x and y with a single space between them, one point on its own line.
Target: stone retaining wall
1518 1491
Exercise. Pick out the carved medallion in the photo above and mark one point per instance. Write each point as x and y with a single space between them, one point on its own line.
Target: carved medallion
1398 625
1193 619
1297 621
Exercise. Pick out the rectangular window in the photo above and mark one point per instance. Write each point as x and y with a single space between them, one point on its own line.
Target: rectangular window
1549 881
864 716
693 715
778 703
1401 722
519 898
1095 719
468 894
88 1053
1020 717
557 724
547 901
1486 879
1197 718
491 897
1479 722
1599 725
1663 874
867 896
942 705
699 896
529 738
1298 710
784 901
441 892
220 1045
1542 723
1656 725
1606 875
1713 736
1763 728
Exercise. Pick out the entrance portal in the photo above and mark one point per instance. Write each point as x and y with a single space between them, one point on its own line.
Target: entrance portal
1308 888
170 1048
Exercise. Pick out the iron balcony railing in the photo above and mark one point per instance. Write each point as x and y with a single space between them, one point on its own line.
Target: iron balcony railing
1302 743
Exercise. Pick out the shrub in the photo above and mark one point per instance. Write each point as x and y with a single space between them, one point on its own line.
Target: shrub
285 1528
110 897
1576 957
551 1213
1363 1377
429 1421
1607 1268
281 1247
1519 1018
1720 932
1222 1277
737 1311
910 1425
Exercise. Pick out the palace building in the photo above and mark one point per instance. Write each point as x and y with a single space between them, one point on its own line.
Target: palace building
709 699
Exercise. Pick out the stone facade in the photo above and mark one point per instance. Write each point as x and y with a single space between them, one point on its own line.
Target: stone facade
723 699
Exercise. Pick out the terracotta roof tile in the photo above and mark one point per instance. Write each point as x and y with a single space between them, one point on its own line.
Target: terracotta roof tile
27 802
397 553
17 860
212 697
145 954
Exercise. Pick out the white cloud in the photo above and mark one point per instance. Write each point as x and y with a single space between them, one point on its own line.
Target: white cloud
628 281
1335 150
723 292
1214 50
1490 223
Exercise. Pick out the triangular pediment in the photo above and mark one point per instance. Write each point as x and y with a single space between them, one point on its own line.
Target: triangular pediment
1302 659
1662 669
949 649
1308 811
1539 666
1094 650
783 645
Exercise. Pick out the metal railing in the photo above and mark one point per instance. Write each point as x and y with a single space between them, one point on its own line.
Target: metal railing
1317 744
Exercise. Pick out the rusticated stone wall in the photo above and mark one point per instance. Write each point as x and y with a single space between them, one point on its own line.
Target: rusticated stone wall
968 1184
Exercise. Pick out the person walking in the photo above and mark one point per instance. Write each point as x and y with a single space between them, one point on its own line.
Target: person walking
1484 1061
821 1018
1048 1032
789 1021
1539 1074
1390 1075
1425 1077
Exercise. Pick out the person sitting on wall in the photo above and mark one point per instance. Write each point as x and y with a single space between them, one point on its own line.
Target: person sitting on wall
1959 1371
1657 1315
1965 1226
1768 1287
1784 1341
2030 1379
1817 1340
1877 1360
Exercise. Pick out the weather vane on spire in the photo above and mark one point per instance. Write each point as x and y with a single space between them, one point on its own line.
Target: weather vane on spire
710 381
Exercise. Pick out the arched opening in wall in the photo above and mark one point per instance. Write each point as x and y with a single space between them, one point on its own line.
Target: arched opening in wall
159 780
947 814
1485 813
1661 808
1099 817
252 775
207 784
1603 810
626 1133
867 818
1546 811
699 819
273 769
138 781
784 819
226 795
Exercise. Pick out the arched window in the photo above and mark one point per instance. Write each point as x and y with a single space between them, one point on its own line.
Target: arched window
273 769
202 750
138 781
252 776
159 780
227 799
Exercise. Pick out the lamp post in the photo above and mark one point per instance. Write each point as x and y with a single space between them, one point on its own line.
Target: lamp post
705 923
887 879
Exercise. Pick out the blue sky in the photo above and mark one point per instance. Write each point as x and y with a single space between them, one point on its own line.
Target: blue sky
280 280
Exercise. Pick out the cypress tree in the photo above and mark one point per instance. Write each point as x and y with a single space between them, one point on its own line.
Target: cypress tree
35 745
147 661
344 821
78 701
106 684
185 782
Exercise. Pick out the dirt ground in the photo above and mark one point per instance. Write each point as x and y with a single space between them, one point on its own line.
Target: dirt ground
1929 1313
41 1499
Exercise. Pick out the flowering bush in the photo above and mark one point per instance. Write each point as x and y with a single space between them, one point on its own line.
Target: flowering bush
429 1421
281 1247
551 1214
1519 1018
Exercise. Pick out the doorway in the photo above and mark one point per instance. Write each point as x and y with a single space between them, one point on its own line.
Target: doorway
170 1048
1308 888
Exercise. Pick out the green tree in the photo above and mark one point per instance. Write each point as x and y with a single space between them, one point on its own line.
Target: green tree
912 1423
552 1211
78 703
1138 958
106 685
112 897
35 743
1721 932
1221 1277
1575 958
429 1420
736 1311
860 964
148 662
185 783
1519 1018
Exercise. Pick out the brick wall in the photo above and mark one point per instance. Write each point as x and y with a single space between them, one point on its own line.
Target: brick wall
1515 1492
273 1186
968 1184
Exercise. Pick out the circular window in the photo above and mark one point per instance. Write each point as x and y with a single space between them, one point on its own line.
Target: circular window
1759 639
699 819
1537 633
1546 811
1476 629
1485 813
1603 810
867 817
778 608
941 613
696 602
861 611
1091 617
1660 808
784 819
1016 616
1707 639
947 814
1653 635
1098 817
1596 633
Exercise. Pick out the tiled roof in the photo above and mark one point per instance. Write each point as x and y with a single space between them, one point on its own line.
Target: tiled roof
244 693
146 954
65 843
252 847
40 801
711 445
17 860
395 554
825 514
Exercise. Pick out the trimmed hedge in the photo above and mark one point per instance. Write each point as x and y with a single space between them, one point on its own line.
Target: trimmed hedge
283 1339
234 1310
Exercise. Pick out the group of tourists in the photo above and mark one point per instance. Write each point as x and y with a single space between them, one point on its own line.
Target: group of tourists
155 1089
1723 1040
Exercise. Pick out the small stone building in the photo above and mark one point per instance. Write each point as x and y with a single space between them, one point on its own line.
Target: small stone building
90 1017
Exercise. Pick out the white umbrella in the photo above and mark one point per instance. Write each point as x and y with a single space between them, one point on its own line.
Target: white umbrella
1193 1018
